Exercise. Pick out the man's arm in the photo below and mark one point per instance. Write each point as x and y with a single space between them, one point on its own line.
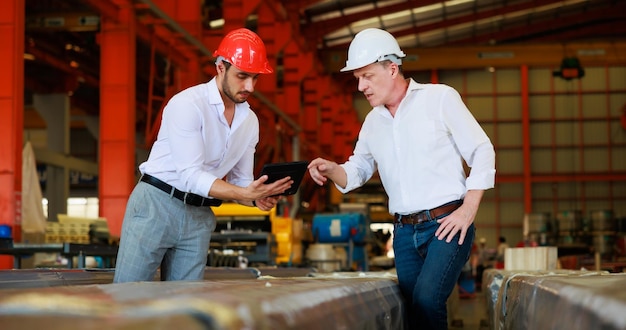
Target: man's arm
256 191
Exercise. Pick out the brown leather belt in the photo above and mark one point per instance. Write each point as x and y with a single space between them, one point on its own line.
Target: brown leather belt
427 215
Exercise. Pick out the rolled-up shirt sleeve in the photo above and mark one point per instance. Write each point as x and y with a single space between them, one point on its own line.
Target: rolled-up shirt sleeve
482 173
471 140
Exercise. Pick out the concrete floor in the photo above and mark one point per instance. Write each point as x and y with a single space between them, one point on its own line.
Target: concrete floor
471 313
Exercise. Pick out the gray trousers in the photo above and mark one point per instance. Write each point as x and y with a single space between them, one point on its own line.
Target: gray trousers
160 230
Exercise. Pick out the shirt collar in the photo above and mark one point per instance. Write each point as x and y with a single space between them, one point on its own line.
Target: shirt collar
216 99
214 94
413 86
242 110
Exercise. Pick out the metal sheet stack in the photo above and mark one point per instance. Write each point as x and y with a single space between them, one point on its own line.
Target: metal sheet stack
559 299
338 302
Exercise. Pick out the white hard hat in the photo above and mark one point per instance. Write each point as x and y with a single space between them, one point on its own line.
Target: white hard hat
372 45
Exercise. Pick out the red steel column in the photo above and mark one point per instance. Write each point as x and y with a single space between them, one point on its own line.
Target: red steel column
117 115
11 118
434 76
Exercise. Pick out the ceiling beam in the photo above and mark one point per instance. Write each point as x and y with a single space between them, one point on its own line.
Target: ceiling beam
68 21
316 31
600 30
573 22
467 57
443 24
50 157
478 16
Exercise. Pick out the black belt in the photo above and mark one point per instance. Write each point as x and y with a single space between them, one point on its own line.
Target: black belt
187 198
427 215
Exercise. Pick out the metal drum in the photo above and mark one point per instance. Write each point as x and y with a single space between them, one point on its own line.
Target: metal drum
323 257
540 228
602 221
569 224
542 239
569 239
604 244
539 222
570 221
620 225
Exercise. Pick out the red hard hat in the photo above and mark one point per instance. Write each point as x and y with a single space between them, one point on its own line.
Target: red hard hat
245 50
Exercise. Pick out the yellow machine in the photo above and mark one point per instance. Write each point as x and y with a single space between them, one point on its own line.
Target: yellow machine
261 236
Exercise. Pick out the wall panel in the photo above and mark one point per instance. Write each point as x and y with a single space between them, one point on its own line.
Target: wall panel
509 80
539 80
481 107
540 107
617 77
509 134
577 144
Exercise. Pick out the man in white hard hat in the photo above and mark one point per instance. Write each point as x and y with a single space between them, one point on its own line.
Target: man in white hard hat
416 137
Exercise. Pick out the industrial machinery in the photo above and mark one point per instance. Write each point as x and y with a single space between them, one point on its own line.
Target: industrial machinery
348 231
261 237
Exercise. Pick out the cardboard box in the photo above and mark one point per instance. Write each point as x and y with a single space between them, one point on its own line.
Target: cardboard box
531 258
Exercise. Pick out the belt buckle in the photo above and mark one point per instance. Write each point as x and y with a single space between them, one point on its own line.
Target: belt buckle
420 217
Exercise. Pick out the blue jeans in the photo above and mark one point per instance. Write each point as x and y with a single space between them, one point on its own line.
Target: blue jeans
428 270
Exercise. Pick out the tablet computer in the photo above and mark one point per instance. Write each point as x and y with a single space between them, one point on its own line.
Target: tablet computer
277 171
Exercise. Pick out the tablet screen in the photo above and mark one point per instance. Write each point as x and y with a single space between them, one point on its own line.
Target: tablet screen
277 171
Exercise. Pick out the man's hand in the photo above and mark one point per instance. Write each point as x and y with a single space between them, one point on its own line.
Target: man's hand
461 219
258 189
266 203
457 222
321 170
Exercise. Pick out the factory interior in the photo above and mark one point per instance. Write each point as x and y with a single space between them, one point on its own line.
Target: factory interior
85 85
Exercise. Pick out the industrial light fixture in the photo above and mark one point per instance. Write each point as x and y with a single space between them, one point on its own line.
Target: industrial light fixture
570 69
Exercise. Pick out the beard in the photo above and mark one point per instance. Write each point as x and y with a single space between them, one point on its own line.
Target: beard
233 96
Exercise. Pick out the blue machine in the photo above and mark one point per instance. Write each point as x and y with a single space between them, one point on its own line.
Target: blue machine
339 228
344 229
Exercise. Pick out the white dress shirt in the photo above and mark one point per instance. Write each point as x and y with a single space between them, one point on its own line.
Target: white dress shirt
196 146
418 153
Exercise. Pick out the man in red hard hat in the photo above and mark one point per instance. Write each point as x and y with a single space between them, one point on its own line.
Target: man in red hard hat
204 153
